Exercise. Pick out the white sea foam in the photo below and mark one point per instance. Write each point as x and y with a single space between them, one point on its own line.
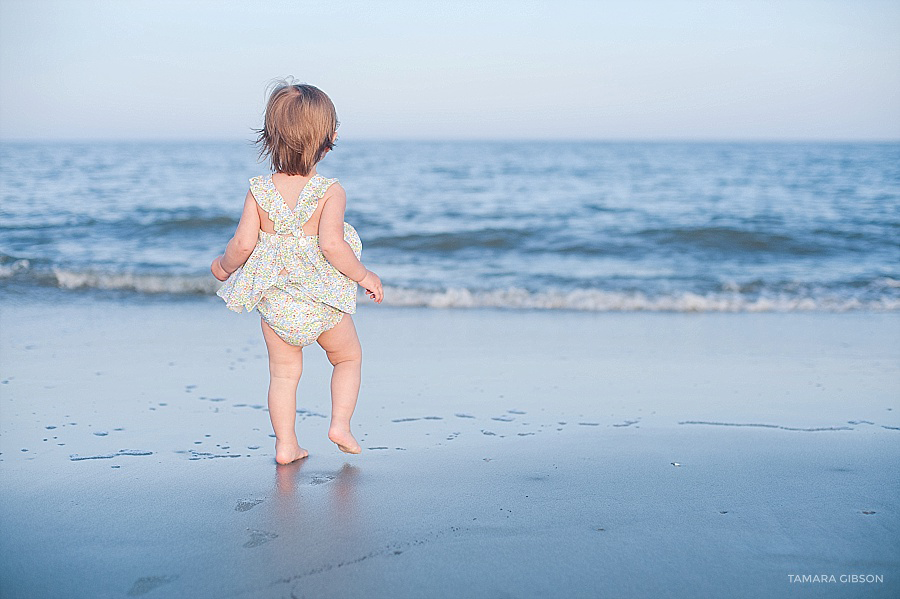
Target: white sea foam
595 300
8 270
887 282
588 300
143 283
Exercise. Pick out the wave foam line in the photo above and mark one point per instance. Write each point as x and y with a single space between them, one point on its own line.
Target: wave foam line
142 283
595 300
9 269
588 300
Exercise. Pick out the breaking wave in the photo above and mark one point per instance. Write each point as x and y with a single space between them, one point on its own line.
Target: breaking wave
596 300
141 283
880 295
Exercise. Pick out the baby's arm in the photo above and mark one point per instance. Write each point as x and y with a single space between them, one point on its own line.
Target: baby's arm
337 251
241 245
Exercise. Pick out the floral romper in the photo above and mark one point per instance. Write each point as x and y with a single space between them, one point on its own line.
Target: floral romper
287 278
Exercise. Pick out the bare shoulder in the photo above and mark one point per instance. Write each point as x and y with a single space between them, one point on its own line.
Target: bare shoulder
335 189
250 202
335 192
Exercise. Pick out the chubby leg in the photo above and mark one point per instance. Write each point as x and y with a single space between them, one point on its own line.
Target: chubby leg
345 354
285 367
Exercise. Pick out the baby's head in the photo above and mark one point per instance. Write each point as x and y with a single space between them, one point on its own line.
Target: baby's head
299 129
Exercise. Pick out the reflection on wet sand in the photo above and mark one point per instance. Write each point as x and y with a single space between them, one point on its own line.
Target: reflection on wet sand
303 497
342 497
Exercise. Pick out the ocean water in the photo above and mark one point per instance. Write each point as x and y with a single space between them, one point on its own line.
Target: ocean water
519 225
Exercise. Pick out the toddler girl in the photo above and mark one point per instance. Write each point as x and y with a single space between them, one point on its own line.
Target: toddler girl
295 260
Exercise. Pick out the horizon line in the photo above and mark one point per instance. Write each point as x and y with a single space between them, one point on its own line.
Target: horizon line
554 140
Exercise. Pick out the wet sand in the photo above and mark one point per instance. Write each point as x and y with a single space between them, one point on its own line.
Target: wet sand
506 454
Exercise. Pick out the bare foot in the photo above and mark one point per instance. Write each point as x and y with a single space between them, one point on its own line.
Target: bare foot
288 451
344 440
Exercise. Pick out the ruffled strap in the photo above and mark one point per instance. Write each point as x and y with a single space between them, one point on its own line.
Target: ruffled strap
268 198
309 198
285 220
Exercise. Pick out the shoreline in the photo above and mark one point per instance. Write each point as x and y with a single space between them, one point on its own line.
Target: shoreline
161 288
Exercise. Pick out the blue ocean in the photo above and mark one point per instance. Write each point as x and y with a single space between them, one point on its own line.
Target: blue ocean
598 226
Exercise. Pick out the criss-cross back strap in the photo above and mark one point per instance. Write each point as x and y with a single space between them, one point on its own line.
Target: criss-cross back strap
312 192
287 221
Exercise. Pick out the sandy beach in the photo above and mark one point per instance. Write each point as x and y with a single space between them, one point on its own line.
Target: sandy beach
506 454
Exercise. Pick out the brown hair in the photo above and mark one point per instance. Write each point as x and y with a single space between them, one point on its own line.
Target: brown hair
299 128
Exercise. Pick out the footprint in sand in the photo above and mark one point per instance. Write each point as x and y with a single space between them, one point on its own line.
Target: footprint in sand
321 480
148 583
207 455
259 537
247 504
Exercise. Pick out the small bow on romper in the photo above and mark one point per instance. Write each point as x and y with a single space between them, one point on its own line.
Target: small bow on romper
287 277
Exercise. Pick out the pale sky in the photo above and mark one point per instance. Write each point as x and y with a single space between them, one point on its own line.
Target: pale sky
489 69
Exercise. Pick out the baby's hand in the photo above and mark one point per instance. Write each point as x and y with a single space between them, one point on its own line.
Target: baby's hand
217 270
372 284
